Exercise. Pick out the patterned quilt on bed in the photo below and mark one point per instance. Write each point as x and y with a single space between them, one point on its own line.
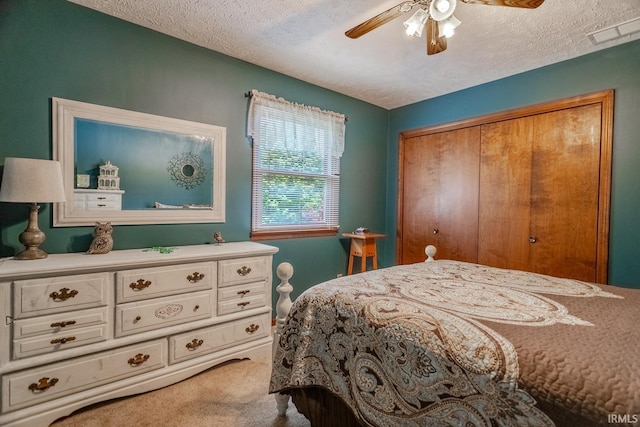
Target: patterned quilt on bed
417 345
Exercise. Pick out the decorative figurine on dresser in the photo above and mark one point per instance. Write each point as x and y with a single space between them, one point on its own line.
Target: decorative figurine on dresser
102 241
78 329
218 238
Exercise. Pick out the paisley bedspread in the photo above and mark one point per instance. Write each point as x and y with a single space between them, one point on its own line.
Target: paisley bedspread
439 344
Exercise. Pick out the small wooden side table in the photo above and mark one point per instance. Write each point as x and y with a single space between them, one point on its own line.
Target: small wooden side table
363 245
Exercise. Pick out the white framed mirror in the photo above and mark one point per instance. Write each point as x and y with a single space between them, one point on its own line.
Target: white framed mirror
128 167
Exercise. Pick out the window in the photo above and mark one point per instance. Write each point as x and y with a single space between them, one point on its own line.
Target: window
296 168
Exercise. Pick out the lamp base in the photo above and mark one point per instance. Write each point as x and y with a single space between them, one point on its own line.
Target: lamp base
32 237
31 253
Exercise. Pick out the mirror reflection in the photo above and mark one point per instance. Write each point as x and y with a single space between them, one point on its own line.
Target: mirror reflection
136 168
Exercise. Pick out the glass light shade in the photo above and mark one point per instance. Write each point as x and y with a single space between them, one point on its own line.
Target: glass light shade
446 28
415 24
442 5
441 10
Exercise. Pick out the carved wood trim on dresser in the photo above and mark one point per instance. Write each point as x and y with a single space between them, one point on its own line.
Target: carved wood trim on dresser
79 329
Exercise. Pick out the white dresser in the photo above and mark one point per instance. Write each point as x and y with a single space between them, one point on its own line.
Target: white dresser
97 200
79 329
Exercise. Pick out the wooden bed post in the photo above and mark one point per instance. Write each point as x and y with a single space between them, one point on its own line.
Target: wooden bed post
284 272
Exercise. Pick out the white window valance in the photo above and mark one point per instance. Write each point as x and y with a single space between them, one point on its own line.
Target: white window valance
295 124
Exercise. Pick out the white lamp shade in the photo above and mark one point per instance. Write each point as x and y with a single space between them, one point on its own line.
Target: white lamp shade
31 181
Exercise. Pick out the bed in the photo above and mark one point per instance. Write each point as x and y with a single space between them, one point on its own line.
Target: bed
446 343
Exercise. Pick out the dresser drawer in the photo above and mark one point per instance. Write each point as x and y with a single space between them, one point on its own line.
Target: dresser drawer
103 198
59 323
243 270
143 316
27 347
241 304
24 388
240 291
215 338
38 297
33 336
97 205
133 285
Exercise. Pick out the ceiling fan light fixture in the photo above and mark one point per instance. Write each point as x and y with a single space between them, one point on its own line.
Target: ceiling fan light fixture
443 5
441 10
447 27
415 24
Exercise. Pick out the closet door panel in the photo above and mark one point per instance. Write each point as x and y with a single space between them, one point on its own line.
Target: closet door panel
458 195
505 194
421 181
565 191
440 175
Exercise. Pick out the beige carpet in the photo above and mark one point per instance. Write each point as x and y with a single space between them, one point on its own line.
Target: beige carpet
232 394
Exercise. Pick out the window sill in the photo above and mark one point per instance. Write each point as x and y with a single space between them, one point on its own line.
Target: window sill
292 234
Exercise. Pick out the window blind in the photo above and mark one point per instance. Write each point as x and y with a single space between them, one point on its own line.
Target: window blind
296 165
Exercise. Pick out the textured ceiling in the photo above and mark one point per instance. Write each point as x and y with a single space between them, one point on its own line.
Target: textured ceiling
305 40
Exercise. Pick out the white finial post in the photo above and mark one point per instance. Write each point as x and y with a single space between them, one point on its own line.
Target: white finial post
284 272
283 306
430 250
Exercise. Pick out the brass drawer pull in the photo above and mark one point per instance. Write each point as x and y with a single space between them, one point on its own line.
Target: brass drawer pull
138 359
63 295
195 343
63 324
43 384
243 304
195 277
63 340
246 291
244 270
252 328
140 285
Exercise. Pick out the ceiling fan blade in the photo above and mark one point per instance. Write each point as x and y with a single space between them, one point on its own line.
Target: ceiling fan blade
528 4
435 44
380 19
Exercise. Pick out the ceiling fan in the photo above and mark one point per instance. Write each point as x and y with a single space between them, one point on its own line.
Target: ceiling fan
434 15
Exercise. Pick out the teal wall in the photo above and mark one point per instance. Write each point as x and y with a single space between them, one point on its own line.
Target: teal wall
54 48
616 68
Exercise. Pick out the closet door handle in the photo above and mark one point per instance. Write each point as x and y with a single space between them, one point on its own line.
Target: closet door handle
532 239
436 231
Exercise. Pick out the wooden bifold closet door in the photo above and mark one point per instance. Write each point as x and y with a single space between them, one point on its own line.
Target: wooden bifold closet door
441 184
539 186
527 189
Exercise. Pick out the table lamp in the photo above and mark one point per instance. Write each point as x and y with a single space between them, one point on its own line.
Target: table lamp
31 181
